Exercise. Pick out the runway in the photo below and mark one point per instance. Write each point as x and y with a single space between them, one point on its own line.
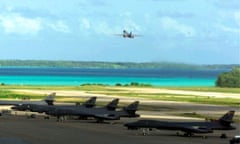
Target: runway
22 130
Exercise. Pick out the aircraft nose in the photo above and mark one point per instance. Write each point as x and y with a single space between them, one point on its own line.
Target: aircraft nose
14 108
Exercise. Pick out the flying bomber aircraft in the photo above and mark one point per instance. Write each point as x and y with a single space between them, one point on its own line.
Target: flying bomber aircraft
127 34
189 128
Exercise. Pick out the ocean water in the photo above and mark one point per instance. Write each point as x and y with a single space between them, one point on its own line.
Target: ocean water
78 76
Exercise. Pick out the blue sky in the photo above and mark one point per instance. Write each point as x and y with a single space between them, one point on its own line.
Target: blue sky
183 31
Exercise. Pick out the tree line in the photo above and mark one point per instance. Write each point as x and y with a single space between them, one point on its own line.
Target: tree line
229 79
117 65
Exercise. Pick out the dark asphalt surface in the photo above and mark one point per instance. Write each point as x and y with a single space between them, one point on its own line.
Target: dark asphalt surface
21 130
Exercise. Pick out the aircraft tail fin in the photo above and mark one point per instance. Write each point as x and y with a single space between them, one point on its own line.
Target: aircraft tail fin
91 102
227 119
50 98
132 108
113 104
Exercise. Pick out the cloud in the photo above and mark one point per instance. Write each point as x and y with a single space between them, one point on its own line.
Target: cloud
103 27
93 3
175 14
131 25
237 17
85 24
32 13
15 23
90 25
60 26
228 29
98 2
230 22
171 24
128 22
227 4
168 0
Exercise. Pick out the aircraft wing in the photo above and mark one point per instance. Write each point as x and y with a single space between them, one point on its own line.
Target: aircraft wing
20 102
118 34
107 116
138 35
196 130
48 100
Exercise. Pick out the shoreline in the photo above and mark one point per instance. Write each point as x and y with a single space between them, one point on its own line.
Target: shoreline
75 77
106 80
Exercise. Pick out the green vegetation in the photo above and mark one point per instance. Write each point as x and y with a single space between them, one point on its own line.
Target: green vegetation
229 79
101 87
193 115
206 89
206 117
134 84
10 92
180 98
6 94
117 65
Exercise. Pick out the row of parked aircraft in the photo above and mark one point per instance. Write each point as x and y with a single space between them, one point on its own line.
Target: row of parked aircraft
87 109
110 112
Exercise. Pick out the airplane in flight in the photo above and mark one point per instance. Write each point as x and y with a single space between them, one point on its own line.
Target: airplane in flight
100 114
127 34
189 128
49 100
91 102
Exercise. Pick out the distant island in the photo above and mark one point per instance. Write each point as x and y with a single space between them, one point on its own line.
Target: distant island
112 65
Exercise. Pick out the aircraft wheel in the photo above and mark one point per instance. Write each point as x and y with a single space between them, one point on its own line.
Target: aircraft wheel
143 132
188 134
223 136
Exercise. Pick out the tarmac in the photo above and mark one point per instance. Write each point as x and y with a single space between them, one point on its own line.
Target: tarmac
20 129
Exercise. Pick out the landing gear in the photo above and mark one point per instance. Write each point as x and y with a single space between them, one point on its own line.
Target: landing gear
223 136
188 134
145 131
61 118
82 118
32 116
99 121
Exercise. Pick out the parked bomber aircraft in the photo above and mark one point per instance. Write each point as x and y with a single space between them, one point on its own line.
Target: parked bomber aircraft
89 104
224 123
126 34
47 101
45 108
100 114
